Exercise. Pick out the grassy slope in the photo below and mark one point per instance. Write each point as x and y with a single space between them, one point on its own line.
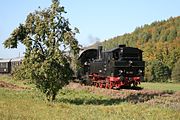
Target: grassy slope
77 105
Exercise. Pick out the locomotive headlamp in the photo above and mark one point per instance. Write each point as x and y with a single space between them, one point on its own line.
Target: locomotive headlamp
140 71
130 62
120 71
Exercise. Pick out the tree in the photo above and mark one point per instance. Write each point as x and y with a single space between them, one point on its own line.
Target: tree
160 72
176 72
47 37
172 35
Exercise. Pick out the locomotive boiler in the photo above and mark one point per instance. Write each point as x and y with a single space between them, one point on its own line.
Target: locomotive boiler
121 66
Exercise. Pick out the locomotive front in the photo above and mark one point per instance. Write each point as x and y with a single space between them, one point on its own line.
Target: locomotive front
124 67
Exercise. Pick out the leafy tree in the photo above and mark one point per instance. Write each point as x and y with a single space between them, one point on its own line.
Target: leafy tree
148 76
176 72
160 72
47 37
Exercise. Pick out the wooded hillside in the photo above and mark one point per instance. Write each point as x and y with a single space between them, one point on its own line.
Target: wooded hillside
160 42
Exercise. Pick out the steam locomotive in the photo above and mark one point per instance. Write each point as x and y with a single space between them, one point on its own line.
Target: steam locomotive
121 66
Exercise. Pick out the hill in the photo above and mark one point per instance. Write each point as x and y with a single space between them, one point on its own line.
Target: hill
160 42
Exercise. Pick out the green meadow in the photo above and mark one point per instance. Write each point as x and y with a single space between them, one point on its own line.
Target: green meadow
29 104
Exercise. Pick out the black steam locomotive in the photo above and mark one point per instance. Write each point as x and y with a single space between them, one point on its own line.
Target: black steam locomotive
121 66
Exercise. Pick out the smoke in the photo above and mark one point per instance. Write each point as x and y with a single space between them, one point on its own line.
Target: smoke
92 40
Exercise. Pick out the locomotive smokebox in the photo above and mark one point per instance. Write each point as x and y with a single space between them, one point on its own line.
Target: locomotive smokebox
99 52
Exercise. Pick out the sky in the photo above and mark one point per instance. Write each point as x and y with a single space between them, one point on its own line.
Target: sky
97 20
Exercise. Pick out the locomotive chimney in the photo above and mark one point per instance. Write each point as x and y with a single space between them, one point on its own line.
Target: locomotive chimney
122 45
99 52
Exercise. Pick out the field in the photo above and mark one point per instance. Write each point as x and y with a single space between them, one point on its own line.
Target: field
20 100
161 86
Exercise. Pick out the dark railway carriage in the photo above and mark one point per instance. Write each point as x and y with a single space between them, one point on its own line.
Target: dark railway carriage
8 65
5 66
121 66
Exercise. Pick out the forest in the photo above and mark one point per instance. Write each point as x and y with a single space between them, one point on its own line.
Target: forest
160 42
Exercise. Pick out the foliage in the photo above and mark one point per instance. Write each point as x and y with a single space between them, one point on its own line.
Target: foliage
176 72
48 38
160 72
21 72
160 41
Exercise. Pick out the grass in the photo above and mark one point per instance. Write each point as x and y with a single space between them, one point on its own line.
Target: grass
9 79
161 86
75 105
30 105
